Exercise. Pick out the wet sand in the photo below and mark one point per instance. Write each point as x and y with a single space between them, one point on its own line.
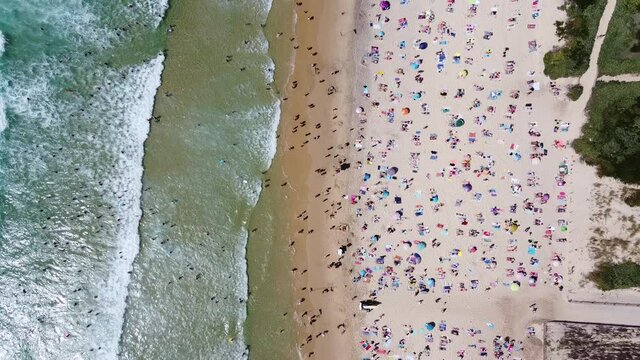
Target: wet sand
312 137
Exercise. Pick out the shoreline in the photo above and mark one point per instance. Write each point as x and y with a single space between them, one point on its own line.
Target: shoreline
310 124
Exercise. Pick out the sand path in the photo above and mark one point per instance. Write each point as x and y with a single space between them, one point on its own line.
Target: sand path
623 78
588 79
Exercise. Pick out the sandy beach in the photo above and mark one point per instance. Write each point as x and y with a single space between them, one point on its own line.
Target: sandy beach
428 169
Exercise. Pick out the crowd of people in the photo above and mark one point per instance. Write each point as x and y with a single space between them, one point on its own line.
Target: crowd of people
462 174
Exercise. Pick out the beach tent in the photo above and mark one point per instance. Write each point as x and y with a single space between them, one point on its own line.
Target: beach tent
414 259
385 5
467 187
369 305
458 122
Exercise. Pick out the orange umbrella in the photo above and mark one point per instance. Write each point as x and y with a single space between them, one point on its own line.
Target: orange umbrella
405 111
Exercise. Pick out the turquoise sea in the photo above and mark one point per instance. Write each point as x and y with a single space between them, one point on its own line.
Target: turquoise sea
130 163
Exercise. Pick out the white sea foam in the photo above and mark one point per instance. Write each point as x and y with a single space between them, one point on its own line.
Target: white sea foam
3 117
138 106
3 42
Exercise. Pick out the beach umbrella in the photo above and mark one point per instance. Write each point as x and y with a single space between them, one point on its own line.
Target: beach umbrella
385 193
421 245
467 187
359 110
430 326
431 282
406 244
516 156
385 5
473 249
406 111
414 259
375 238
463 73
515 286
417 95
392 171
423 45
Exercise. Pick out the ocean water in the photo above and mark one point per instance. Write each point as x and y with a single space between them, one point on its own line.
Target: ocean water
73 119
212 136
130 163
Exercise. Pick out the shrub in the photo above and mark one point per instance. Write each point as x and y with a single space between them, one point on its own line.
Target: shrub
574 92
609 276
578 33
610 138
